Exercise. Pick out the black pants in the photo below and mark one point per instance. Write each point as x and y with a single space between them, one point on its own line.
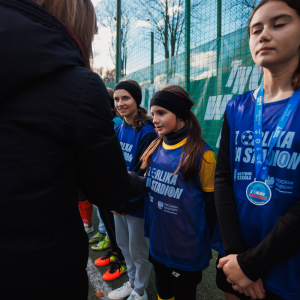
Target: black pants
175 283
109 223
226 287
75 288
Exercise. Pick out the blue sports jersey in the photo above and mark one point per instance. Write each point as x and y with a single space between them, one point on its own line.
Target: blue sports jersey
130 140
175 219
256 221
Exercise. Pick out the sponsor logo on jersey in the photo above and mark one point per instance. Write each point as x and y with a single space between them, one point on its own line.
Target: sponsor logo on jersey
244 175
270 181
284 186
175 274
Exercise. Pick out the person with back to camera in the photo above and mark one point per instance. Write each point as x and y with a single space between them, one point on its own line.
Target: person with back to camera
180 213
57 135
259 214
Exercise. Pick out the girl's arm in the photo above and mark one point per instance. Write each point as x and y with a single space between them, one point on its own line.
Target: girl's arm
279 245
210 212
233 241
207 176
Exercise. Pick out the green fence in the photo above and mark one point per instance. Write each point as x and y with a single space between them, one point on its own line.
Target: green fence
220 67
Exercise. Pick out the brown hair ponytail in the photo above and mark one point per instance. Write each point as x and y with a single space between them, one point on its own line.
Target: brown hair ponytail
193 146
295 5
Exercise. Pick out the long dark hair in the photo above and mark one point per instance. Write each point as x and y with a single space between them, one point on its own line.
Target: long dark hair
194 144
139 119
295 5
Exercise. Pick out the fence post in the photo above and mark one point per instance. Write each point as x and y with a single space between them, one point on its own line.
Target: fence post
118 42
219 18
219 47
152 56
187 44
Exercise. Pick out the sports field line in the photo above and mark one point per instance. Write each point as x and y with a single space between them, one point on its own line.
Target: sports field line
96 280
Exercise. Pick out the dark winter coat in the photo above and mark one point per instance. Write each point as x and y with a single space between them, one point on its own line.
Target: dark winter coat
57 135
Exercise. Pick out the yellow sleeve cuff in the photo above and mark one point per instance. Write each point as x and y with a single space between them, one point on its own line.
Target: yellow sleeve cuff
207 171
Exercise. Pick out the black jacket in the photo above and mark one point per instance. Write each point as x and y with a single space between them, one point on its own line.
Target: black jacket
56 134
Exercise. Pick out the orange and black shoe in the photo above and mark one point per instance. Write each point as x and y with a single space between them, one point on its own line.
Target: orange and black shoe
116 270
105 260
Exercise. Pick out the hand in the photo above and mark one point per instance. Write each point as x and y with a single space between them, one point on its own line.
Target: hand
255 290
233 272
117 214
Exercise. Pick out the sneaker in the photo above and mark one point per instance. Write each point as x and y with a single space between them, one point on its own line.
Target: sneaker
121 293
115 271
88 229
98 237
105 260
104 244
135 296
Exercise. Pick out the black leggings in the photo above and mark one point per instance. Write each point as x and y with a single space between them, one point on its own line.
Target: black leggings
109 223
175 283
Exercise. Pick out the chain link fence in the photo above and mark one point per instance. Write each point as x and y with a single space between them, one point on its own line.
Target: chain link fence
205 51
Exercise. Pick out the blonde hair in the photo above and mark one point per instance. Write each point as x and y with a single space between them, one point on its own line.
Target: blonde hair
79 16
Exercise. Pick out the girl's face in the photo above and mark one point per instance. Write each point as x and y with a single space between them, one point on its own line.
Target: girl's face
164 120
275 35
125 104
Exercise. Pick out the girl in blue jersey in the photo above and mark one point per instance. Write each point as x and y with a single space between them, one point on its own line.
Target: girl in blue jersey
179 195
257 184
136 133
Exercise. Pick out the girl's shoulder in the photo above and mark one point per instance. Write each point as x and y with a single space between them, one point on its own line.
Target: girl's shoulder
118 127
148 126
241 99
239 102
206 147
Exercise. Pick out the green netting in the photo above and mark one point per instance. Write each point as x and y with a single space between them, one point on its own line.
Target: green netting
220 65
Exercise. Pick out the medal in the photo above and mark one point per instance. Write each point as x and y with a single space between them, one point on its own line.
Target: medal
258 192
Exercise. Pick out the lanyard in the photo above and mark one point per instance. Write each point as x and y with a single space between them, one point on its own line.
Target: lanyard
261 168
